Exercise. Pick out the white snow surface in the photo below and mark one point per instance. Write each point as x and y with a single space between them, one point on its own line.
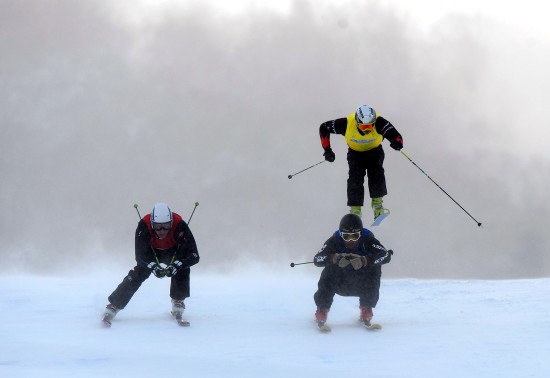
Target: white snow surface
256 323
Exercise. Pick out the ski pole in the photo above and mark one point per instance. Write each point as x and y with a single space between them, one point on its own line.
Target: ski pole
152 249
290 176
193 212
421 170
136 207
292 265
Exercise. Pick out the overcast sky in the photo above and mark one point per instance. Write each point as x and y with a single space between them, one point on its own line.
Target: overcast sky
105 105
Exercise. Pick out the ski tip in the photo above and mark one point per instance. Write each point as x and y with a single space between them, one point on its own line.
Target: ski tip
373 326
370 326
323 327
379 219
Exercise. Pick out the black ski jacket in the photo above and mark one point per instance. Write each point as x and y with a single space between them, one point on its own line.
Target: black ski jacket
367 246
182 247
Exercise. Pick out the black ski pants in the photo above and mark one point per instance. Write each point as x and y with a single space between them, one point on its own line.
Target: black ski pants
179 285
363 283
369 163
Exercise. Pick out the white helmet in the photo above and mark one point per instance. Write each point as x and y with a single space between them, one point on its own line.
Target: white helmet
161 214
365 115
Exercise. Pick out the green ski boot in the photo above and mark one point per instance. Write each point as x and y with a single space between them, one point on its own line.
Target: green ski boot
378 207
355 210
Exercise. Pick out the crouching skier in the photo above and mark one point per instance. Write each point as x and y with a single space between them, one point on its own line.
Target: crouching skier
164 246
352 259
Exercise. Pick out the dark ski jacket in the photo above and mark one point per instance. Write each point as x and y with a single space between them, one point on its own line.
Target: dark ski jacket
179 244
367 246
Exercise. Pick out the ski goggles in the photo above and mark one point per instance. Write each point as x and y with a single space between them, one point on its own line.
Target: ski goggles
365 126
162 226
350 236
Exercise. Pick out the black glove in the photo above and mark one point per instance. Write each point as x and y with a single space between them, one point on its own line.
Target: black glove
173 268
397 143
329 155
390 255
157 270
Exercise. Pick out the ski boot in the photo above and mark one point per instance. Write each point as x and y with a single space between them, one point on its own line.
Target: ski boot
321 319
355 210
378 207
109 314
178 307
321 315
365 316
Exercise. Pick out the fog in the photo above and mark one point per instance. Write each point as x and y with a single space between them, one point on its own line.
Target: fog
104 106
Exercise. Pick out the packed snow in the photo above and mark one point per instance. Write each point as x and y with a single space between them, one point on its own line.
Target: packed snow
256 323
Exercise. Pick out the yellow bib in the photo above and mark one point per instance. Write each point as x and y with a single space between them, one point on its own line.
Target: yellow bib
358 142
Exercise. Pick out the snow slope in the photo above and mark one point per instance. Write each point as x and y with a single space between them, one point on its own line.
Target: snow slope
260 325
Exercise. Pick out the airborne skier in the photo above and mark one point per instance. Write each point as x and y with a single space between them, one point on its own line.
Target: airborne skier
364 131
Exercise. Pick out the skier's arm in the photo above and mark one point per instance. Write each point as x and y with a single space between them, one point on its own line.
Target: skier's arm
388 131
187 253
326 254
144 253
337 126
377 253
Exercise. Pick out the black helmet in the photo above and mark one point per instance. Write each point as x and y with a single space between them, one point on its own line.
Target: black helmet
351 223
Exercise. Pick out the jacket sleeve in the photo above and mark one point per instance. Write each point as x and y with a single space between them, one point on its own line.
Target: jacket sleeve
386 129
377 254
323 257
144 252
337 126
186 252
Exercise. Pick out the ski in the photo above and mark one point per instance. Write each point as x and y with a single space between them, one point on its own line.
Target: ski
371 326
179 319
379 219
323 327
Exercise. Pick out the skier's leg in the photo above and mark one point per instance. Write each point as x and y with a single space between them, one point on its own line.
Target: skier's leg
324 295
374 163
128 287
356 178
370 287
180 285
